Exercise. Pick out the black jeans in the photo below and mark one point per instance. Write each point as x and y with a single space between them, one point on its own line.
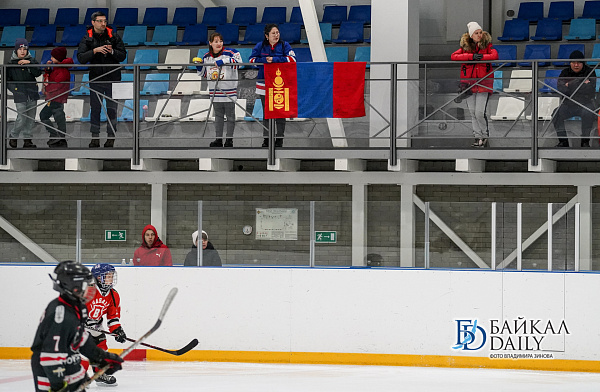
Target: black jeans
569 109
96 108
56 110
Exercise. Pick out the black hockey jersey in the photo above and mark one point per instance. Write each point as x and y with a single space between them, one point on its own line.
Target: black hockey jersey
59 342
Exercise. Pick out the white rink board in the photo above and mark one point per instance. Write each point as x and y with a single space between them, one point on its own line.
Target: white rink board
379 311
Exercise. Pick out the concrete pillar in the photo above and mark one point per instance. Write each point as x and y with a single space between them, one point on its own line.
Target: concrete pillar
407 226
359 224
584 197
158 210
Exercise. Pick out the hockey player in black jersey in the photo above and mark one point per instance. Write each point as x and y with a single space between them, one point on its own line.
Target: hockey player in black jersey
61 337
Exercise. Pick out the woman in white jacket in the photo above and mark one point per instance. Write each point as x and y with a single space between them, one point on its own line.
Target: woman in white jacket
222 85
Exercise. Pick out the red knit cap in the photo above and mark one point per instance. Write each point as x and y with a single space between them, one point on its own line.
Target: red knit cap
59 53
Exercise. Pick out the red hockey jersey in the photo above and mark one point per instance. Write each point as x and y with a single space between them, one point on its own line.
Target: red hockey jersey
109 305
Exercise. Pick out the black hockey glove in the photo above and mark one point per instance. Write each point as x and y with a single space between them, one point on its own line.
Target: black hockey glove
120 335
62 388
113 360
477 56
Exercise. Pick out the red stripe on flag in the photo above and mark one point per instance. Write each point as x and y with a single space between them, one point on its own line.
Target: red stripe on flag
281 90
349 89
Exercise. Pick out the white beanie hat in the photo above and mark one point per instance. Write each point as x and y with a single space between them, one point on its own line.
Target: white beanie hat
195 236
473 27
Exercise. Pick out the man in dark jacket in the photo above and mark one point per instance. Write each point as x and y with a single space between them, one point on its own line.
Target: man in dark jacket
21 82
102 45
577 83
210 256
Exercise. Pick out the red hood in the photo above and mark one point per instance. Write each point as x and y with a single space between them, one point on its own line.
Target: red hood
157 242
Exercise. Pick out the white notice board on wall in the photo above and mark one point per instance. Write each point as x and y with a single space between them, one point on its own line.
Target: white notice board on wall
277 224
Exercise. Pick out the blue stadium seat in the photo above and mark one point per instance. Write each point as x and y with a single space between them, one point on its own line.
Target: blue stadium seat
335 14
551 79
76 61
83 88
185 16
146 56
67 17
194 35
562 10
337 53
102 113
548 30
296 16
581 29
245 54
515 30
506 52
214 16
72 35
350 32
126 60
363 53
46 55
360 13
257 112
230 33
290 32
531 11
303 55
134 35
326 31
254 34
10 34
536 52
498 81
10 17
274 15
591 9
595 54
44 36
126 17
127 113
163 35
88 14
565 50
155 16
156 84
37 17
244 16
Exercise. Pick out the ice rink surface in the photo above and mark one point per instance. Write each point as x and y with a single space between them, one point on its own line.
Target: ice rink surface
15 375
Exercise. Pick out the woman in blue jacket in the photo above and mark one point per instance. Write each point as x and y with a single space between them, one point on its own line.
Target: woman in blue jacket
271 50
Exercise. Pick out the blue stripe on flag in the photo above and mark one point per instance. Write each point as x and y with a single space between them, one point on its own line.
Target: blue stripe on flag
315 90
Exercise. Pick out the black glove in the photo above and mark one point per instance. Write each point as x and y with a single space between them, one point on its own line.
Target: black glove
477 56
112 360
119 335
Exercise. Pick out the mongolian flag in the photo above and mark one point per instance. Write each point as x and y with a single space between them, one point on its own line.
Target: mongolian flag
315 90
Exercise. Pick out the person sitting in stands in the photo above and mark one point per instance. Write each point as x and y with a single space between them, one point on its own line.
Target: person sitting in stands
210 256
152 252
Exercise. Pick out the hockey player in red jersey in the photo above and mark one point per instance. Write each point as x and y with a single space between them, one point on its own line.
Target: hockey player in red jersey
61 337
106 302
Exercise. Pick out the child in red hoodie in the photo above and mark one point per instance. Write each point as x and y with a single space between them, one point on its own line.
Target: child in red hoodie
57 87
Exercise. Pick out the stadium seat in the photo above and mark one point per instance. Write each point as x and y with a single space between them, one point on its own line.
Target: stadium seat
10 17
134 35
591 9
125 17
335 14
102 113
176 56
363 53
71 35
198 110
336 53
230 33
303 55
520 81
155 16
163 35
498 81
506 52
83 88
37 17
326 31
44 36
185 16
240 109
166 110
214 16
146 56
244 16
290 32
515 30
565 50
296 16
550 81
531 11
11 110
581 29
253 35
127 112
88 14
123 89
196 34
509 108
562 10
156 84
595 54
536 52
189 84
76 61
67 17
245 54
350 32
257 112
74 110
546 108
10 34
46 55
360 13
548 30
274 15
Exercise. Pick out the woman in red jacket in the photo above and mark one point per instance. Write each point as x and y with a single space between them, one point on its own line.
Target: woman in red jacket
476 45
152 252
56 88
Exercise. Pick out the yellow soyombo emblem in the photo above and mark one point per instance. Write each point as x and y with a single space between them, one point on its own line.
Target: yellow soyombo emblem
279 97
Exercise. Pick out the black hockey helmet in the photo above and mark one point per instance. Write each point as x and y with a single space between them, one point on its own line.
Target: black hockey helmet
74 280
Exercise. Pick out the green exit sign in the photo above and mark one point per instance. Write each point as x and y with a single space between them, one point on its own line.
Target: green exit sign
115 235
326 237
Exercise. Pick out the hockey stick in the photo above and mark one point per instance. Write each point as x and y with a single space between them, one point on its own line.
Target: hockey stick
181 351
156 325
